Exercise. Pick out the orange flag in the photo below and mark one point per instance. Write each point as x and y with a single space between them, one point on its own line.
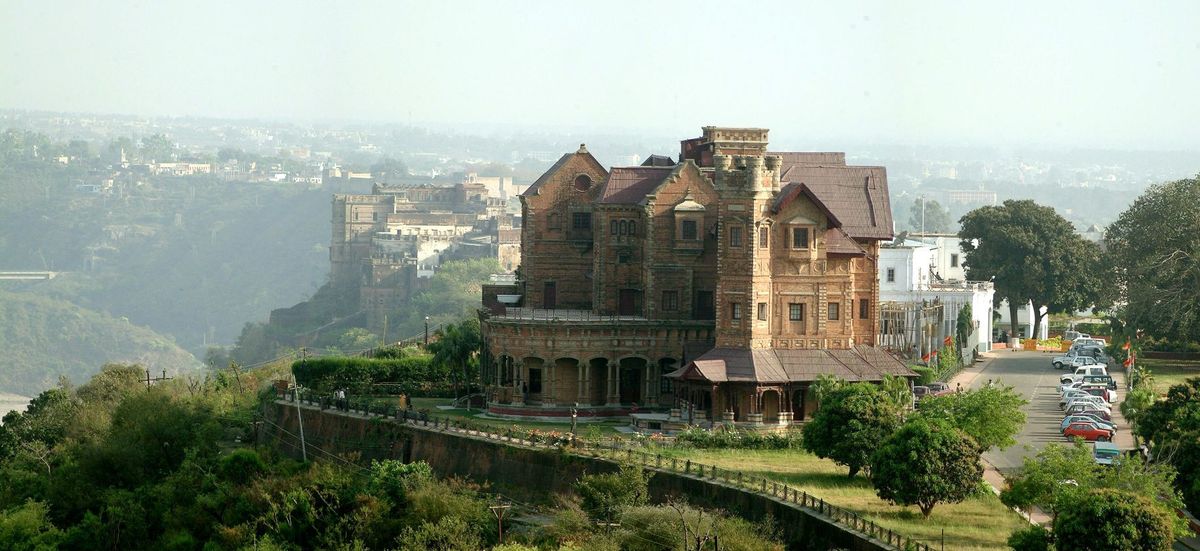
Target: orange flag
1125 346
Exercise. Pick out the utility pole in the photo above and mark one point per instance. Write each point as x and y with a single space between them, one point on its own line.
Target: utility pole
164 377
300 421
498 510
385 328
426 331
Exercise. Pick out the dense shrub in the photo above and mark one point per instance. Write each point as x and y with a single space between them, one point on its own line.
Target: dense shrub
738 439
928 375
605 496
408 375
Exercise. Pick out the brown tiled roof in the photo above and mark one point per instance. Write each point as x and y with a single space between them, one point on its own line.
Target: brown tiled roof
773 365
794 189
857 195
837 242
629 185
814 158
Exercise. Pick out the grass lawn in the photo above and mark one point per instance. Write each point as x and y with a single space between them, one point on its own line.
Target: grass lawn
977 523
1168 373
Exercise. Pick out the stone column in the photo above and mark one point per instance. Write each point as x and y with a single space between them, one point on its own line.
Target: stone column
609 385
579 396
518 396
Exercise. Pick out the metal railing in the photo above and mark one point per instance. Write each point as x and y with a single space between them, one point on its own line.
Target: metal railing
615 451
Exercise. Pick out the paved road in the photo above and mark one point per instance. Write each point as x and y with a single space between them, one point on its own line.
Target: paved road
1031 375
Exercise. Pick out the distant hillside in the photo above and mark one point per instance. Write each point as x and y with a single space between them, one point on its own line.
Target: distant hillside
43 338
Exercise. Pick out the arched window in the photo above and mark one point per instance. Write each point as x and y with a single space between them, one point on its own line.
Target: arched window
583 182
612 227
624 228
632 228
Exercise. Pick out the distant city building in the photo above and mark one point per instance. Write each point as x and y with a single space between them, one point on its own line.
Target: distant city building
976 197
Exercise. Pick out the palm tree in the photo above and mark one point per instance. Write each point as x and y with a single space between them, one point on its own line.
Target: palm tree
455 346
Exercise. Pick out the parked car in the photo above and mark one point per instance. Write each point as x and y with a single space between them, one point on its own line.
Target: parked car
1093 401
1086 418
1090 409
1081 372
1104 453
1088 341
1075 335
1109 396
937 388
1073 361
1092 350
1105 380
1087 431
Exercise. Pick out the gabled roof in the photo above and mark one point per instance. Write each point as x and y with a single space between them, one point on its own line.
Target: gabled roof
536 186
775 365
793 190
658 160
857 195
630 185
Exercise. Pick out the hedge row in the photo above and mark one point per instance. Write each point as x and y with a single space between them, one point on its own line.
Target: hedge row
737 439
411 375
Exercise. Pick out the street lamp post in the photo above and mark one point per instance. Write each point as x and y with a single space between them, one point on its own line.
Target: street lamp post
426 331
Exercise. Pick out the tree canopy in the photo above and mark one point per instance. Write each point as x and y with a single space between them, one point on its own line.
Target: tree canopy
849 423
936 219
1171 427
991 416
924 463
1112 519
1033 255
1155 256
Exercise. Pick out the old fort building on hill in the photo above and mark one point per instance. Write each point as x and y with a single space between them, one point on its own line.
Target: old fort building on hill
712 288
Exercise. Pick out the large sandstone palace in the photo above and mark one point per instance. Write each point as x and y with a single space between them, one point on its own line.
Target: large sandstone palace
718 286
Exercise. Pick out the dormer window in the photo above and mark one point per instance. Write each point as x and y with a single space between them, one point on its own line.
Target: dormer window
688 231
799 238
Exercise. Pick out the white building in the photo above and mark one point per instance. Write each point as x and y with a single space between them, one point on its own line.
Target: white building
947 263
908 281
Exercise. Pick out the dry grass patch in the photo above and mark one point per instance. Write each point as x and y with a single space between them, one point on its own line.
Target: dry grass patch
977 523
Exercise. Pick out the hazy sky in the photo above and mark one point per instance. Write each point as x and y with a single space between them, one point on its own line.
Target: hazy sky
1107 74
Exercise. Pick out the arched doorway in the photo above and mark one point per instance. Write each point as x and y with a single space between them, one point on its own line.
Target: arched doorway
633 375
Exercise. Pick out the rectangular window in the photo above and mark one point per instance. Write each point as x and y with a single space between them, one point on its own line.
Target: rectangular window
864 308
833 311
581 220
891 275
762 311
688 230
763 237
799 238
735 236
666 386
735 311
796 312
953 261
374 216
670 301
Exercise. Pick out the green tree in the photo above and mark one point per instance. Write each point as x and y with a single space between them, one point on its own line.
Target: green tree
1112 519
964 327
1171 428
936 218
604 496
898 390
158 148
991 416
1032 538
925 463
455 348
849 423
1033 255
28 528
1155 256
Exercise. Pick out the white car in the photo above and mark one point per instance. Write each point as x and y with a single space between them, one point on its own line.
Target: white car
1091 401
1081 372
1073 361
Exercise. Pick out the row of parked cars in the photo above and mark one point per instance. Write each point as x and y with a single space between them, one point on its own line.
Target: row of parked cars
1086 396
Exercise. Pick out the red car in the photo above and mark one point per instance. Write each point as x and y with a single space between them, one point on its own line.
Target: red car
1088 432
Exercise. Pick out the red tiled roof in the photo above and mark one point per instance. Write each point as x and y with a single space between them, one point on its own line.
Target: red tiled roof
774 365
630 185
812 158
857 195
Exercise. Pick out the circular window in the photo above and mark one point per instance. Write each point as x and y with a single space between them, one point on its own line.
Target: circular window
583 182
